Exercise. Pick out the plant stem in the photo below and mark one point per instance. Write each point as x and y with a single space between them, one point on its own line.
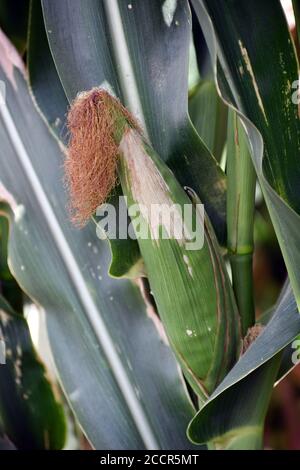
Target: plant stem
241 180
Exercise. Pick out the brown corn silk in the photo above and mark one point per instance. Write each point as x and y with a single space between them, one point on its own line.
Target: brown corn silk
92 155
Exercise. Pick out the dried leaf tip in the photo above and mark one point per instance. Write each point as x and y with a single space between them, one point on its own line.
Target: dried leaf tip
96 123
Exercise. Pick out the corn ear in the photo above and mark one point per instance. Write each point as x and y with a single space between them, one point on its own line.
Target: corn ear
190 286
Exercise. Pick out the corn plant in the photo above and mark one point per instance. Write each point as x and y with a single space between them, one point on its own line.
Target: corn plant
156 345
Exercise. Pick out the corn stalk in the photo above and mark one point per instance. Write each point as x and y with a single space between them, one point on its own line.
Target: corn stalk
150 339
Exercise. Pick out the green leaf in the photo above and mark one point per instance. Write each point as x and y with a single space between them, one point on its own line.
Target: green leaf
29 412
8 285
141 54
231 406
126 258
119 376
209 116
4 271
43 78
